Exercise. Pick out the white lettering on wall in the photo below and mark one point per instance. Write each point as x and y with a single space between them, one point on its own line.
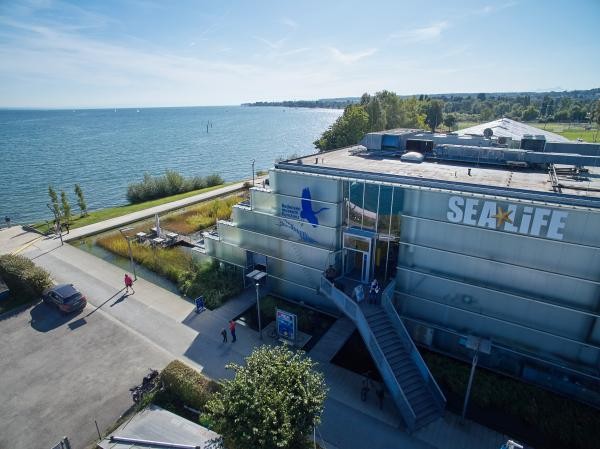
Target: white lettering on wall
455 214
527 220
557 224
470 212
486 217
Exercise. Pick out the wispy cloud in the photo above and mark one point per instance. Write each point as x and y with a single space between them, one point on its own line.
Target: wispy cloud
349 58
289 22
422 34
274 45
490 9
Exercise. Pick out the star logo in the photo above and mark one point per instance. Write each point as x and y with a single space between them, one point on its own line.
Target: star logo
502 217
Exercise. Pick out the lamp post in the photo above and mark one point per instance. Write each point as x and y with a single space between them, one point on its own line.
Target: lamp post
253 161
127 238
256 276
57 221
478 345
258 310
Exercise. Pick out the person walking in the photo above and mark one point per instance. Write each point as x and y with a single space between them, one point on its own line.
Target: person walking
224 335
128 284
232 330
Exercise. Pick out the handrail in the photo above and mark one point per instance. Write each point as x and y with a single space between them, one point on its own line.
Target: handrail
415 355
353 311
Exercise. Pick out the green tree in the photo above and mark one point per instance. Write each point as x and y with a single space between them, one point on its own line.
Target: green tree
577 113
450 121
54 201
81 200
434 114
347 129
273 402
65 206
529 114
377 115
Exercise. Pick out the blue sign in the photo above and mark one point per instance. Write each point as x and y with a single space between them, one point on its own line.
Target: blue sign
199 301
286 324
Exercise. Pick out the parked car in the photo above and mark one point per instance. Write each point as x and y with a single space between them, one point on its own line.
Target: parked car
65 297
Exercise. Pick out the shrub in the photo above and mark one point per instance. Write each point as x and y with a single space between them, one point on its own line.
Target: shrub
215 283
201 216
171 183
187 385
168 262
23 277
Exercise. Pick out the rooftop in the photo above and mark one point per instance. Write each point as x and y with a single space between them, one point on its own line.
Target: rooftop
354 161
505 127
155 424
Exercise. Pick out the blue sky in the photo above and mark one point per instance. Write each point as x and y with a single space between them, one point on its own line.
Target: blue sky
58 53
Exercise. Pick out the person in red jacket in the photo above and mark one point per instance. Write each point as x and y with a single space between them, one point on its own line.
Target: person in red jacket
128 284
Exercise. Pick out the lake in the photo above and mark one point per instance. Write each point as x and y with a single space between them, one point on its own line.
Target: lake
105 149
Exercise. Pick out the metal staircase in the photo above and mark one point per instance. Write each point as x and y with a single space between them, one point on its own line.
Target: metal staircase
411 385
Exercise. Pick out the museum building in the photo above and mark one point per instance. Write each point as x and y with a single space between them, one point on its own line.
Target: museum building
492 233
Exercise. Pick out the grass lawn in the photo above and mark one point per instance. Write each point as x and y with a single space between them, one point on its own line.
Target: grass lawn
112 212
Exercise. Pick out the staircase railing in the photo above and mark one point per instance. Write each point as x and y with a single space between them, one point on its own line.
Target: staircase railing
353 311
387 297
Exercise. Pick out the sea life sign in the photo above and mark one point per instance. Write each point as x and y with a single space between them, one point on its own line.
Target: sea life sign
509 217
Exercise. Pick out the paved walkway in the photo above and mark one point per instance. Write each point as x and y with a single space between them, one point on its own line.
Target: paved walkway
169 322
124 220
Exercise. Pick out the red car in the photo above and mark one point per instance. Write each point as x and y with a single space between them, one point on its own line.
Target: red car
65 297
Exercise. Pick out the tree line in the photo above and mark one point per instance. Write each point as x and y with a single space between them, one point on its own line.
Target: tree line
387 110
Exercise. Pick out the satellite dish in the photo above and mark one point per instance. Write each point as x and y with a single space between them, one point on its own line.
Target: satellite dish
488 133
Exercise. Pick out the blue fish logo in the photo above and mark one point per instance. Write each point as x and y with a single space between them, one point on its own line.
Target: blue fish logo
307 211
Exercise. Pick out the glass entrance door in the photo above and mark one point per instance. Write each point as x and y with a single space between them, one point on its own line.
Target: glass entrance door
357 260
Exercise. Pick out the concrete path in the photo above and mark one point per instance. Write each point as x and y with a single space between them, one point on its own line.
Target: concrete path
167 322
124 220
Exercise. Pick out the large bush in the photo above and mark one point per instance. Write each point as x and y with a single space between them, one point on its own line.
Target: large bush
187 386
171 183
22 277
215 282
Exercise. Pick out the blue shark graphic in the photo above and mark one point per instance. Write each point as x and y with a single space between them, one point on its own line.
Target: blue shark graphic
307 211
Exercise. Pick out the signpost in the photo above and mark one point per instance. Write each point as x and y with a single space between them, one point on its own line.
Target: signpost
287 325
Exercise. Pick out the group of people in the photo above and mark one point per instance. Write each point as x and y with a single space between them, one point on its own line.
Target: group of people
231 330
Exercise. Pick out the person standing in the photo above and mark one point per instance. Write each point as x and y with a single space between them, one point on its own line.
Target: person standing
224 335
7 221
128 284
232 330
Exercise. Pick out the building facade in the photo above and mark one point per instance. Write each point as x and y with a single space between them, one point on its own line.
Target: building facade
488 247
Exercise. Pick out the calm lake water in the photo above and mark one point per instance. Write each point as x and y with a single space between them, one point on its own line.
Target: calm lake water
103 150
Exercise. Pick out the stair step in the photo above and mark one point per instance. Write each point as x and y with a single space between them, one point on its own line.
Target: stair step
421 403
428 416
405 372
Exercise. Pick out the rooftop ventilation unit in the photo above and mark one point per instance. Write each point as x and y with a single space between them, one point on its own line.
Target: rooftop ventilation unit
412 156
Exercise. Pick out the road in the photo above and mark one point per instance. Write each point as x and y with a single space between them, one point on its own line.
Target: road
59 374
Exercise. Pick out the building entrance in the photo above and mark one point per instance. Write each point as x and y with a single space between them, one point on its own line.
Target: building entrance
357 257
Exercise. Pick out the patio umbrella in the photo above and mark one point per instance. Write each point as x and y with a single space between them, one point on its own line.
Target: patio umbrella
157 224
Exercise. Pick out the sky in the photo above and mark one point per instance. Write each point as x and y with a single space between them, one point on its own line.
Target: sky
142 53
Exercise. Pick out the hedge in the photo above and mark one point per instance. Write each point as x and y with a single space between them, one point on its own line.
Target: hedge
23 277
187 385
